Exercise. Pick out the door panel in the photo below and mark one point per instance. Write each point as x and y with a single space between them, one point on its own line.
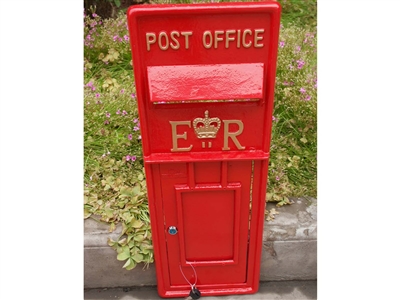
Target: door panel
208 218
212 219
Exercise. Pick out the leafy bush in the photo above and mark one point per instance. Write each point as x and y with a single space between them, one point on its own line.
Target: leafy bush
293 163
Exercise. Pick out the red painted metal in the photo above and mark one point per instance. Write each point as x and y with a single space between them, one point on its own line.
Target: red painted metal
205 82
205 78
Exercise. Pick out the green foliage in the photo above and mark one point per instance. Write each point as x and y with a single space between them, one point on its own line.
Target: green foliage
299 12
115 185
293 167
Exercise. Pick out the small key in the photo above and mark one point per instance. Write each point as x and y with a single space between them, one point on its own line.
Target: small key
195 293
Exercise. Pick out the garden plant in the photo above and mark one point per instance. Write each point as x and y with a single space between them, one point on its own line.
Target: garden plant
114 178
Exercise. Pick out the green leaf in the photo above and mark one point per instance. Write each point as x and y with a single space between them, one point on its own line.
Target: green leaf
109 212
131 244
139 238
140 177
136 190
111 242
122 242
86 213
124 255
138 257
137 223
127 263
131 265
303 140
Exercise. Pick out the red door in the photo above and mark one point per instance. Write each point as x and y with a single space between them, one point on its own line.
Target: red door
209 206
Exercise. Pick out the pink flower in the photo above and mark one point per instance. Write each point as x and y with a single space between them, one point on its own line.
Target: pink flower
124 113
273 118
135 120
128 157
282 44
298 48
115 37
94 15
118 112
302 90
133 157
136 128
130 137
122 91
108 114
97 95
277 178
139 137
300 64
133 95
106 122
308 97
126 38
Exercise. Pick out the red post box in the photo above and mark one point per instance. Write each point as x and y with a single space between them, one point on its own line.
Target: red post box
205 78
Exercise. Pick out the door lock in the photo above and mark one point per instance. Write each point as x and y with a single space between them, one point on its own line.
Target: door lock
172 230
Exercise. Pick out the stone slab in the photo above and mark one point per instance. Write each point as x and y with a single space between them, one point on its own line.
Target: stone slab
289 250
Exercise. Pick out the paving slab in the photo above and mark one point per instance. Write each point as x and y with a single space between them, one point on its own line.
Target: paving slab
289 250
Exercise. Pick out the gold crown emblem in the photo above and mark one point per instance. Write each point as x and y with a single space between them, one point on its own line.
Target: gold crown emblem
206 127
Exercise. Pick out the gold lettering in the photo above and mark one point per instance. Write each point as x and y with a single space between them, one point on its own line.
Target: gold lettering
245 32
217 39
150 41
232 135
176 136
238 38
186 34
229 38
163 34
205 34
258 38
177 45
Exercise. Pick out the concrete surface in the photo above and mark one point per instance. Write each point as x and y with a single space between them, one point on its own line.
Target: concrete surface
289 250
279 290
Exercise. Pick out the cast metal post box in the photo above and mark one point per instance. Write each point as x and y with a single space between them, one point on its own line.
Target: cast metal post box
205 78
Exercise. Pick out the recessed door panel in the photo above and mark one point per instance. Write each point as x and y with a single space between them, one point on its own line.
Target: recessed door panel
208 218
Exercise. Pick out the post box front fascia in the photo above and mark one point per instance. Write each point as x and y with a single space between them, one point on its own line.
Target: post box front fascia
205 78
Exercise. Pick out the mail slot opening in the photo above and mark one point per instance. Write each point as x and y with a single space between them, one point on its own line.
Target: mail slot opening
206 83
187 101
